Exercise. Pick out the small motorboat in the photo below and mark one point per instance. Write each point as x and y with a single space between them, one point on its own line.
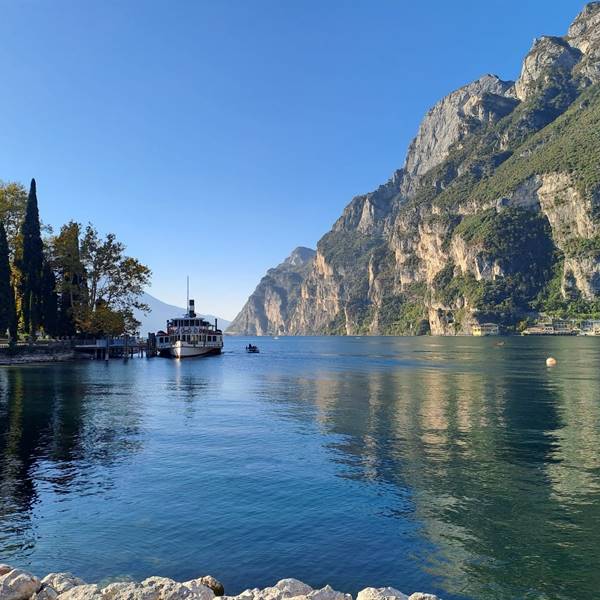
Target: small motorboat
251 349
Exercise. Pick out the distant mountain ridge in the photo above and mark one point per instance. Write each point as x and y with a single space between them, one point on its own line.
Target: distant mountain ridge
494 217
275 298
161 311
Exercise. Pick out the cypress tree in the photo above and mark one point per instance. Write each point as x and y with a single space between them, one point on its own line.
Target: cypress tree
8 314
31 265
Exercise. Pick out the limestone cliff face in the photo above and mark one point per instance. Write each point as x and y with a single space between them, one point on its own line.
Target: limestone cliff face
547 56
495 214
268 309
584 34
453 118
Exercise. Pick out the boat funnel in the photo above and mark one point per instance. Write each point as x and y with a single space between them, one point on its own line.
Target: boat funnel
191 311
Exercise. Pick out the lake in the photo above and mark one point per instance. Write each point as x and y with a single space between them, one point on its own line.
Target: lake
449 465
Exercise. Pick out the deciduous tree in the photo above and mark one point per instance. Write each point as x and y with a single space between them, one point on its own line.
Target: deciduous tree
13 204
99 285
71 284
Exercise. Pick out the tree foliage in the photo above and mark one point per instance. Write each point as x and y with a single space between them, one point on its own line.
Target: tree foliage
114 282
71 278
8 315
49 301
30 262
13 203
62 285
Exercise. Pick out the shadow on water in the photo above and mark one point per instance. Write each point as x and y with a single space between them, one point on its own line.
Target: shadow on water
57 431
448 465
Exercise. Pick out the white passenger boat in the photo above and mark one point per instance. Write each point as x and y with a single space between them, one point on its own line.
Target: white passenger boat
189 336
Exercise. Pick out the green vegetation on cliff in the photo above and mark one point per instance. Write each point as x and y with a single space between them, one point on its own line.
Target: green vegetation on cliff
494 216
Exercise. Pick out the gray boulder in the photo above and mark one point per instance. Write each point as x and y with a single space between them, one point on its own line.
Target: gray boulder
62 582
125 590
201 590
386 593
328 593
46 592
214 584
167 589
4 569
18 585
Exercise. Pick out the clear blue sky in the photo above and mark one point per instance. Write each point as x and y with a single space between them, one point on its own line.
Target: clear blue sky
214 137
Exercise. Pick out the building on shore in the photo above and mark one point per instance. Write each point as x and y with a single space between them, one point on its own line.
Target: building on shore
553 327
484 329
590 327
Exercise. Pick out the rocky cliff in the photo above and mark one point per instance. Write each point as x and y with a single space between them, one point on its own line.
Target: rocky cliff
270 307
494 216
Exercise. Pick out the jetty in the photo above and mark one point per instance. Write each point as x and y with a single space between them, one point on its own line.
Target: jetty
113 347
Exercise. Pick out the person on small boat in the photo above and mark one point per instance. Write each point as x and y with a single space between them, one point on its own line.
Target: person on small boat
251 348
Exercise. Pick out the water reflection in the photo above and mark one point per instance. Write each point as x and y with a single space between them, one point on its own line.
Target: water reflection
500 468
448 465
59 433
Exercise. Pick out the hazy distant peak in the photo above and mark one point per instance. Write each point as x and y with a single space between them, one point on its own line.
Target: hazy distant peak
160 311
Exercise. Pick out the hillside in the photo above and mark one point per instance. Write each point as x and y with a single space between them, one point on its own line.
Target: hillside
493 217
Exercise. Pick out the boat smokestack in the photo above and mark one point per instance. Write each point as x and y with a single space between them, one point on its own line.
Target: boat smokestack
191 311
216 324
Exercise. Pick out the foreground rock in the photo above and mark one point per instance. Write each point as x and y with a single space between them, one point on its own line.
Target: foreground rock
62 582
380 594
16 584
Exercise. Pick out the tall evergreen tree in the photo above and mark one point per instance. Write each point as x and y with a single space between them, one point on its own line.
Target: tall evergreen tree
31 265
49 312
8 314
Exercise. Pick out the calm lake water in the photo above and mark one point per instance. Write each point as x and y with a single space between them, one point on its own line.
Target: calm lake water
453 466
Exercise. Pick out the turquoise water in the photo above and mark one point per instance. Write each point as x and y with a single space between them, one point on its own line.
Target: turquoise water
454 466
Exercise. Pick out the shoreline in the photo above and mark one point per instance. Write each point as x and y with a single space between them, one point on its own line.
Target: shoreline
32 353
17 584
33 358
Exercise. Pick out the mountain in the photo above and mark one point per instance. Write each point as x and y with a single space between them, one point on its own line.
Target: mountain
495 215
275 298
156 319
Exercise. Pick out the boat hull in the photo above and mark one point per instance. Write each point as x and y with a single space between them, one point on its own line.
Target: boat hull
183 350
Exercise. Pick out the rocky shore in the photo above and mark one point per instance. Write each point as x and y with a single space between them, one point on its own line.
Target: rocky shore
37 352
16 584
38 357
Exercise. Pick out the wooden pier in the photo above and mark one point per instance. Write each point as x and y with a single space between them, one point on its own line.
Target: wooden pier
114 347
